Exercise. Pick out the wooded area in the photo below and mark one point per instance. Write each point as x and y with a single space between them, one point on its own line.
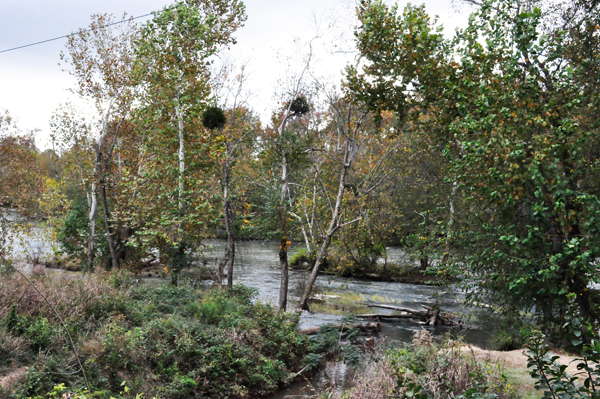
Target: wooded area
476 152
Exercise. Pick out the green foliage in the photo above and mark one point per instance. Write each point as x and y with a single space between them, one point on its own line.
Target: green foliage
38 331
551 376
521 149
356 254
332 345
214 118
166 341
302 256
300 106
74 230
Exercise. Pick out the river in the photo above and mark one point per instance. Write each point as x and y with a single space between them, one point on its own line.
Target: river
257 265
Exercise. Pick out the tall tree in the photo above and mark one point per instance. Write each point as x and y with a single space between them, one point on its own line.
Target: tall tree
173 58
347 123
512 99
101 58
240 130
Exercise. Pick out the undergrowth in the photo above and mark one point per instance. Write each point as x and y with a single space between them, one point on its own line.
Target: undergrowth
165 341
428 369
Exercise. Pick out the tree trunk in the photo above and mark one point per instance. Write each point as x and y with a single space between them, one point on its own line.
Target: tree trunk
92 226
181 156
450 225
283 263
424 260
333 226
109 238
228 221
283 245
98 178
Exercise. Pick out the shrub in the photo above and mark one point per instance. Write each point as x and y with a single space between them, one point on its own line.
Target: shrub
166 341
428 369
302 256
551 376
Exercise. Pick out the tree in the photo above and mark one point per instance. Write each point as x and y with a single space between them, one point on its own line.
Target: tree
20 172
347 123
101 60
173 56
512 101
237 133
73 143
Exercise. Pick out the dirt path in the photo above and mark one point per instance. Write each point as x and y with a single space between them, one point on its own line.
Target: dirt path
515 363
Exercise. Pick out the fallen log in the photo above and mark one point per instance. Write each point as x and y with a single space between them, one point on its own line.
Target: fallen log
386 316
371 328
419 313
430 316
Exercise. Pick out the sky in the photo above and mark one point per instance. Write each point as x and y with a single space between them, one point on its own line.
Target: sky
273 45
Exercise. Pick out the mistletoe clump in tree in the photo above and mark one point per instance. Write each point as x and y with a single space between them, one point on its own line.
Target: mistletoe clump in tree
214 118
512 99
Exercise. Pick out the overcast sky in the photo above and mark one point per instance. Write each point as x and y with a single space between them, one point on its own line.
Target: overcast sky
33 85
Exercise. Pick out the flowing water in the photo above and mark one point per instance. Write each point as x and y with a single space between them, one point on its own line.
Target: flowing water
257 265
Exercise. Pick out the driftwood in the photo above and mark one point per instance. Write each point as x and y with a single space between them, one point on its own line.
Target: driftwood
371 328
385 316
429 316
419 313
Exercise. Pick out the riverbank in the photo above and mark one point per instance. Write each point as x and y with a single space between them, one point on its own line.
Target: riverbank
388 272
439 368
121 327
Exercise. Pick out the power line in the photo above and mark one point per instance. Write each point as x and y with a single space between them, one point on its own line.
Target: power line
87 30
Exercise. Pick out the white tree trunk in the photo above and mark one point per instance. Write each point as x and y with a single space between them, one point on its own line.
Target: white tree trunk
92 225
333 226
450 224
181 156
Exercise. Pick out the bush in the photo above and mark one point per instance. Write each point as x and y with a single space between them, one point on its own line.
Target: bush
332 345
166 341
74 231
427 369
302 256
551 375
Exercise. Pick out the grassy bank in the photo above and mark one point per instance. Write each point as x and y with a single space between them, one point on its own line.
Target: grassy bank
163 341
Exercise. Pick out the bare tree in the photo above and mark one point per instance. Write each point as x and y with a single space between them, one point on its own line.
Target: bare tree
230 90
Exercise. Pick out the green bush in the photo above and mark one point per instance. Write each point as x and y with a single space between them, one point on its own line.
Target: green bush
551 376
166 341
302 256
332 345
73 233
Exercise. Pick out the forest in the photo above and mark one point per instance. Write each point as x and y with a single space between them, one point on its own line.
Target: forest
475 154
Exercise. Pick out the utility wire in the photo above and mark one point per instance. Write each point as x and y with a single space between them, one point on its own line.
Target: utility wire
88 30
